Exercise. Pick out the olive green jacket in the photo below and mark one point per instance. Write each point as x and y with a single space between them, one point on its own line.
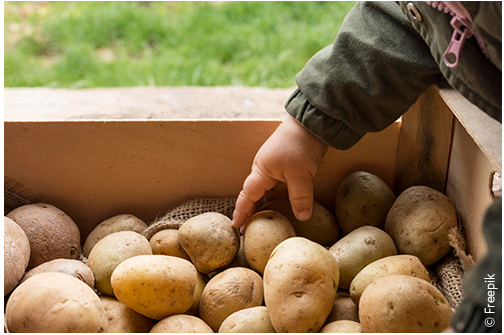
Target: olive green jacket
385 55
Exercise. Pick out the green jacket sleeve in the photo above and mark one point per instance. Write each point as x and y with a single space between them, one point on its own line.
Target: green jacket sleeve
372 73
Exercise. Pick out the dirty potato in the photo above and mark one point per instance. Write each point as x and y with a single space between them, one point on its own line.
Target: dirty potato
419 222
16 254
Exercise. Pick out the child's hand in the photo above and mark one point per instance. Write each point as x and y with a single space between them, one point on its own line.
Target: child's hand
291 155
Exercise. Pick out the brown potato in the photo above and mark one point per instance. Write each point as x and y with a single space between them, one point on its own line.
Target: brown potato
53 302
181 323
52 233
343 309
419 222
139 281
342 326
358 249
123 319
209 240
165 242
71 267
362 199
248 320
110 251
263 232
230 291
16 254
392 265
121 222
403 304
321 228
300 283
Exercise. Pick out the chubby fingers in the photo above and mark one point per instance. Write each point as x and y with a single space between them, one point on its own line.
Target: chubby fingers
254 188
300 189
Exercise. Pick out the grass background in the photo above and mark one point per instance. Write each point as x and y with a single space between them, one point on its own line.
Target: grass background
112 44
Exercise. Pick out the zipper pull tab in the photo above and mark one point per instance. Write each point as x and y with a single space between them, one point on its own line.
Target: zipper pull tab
460 33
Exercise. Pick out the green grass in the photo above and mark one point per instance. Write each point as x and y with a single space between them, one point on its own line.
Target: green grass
110 44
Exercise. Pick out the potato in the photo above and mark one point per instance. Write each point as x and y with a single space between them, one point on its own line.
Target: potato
139 281
321 228
123 319
165 242
403 304
392 265
209 240
362 199
200 286
359 248
343 309
300 283
52 233
248 320
181 323
342 326
263 232
53 302
230 291
419 222
110 251
121 222
16 254
71 267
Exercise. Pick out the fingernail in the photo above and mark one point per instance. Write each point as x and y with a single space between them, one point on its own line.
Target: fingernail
304 215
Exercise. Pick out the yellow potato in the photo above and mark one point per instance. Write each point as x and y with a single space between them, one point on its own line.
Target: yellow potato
343 309
248 320
419 222
321 227
359 248
16 254
300 283
342 326
230 291
123 319
165 242
53 302
209 240
362 199
139 283
181 323
121 222
110 251
403 304
71 267
392 265
263 232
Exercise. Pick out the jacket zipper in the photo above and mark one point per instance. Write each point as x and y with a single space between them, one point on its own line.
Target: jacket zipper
462 30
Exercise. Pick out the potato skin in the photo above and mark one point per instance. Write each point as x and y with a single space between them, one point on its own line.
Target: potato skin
392 265
121 222
181 323
342 326
230 291
53 302
123 319
165 242
403 304
209 240
343 309
138 280
71 267
248 320
16 254
362 199
321 228
359 248
419 222
110 251
51 232
263 232
300 283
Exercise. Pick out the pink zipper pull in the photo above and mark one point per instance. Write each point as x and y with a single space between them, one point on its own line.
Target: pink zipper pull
460 33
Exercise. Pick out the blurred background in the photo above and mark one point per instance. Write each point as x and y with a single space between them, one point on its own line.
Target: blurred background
121 44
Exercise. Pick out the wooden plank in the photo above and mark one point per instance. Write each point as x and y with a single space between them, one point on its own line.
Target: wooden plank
424 144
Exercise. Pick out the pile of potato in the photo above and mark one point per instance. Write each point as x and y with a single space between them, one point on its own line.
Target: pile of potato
361 269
